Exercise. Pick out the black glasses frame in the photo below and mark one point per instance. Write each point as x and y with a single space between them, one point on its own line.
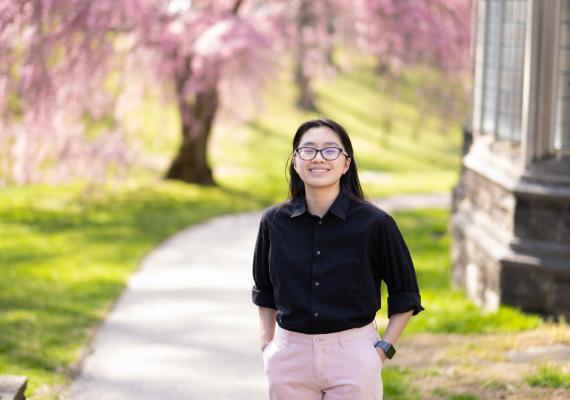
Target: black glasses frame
317 151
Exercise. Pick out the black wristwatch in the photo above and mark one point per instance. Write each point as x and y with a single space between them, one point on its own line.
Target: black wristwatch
388 349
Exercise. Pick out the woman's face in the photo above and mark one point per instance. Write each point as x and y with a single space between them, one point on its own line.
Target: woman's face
318 172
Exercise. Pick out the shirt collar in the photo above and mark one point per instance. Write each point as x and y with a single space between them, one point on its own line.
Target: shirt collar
339 207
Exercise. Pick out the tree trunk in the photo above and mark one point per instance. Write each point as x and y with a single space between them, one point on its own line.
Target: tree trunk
306 97
191 163
329 50
197 114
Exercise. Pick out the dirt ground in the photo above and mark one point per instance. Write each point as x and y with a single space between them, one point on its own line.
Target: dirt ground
485 366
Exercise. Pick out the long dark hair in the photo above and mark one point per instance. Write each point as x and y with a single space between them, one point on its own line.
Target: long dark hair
349 182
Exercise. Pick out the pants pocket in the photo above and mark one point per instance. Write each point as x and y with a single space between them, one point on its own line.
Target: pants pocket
267 346
371 342
275 346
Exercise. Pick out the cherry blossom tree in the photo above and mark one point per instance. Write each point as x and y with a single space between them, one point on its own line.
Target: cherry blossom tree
435 33
54 55
66 66
58 55
404 32
202 48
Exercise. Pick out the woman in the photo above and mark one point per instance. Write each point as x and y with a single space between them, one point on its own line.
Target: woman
319 259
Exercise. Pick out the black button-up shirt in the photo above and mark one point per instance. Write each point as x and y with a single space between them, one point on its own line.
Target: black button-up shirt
323 275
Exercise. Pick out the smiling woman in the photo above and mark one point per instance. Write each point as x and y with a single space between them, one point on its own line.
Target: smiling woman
319 261
318 165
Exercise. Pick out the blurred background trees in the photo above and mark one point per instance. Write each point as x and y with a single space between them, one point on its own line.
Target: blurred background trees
70 70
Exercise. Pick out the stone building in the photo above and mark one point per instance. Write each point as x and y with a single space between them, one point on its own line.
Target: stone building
511 208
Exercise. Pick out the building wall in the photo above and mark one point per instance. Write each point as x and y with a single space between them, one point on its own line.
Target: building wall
511 235
511 209
527 266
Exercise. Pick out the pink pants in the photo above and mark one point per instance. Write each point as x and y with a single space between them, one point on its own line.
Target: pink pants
333 366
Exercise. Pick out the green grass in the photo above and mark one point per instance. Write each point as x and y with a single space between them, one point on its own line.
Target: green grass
448 310
399 146
494 384
549 376
445 394
66 252
65 255
397 385
400 161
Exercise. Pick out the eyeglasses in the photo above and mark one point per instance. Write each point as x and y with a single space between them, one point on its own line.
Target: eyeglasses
328 153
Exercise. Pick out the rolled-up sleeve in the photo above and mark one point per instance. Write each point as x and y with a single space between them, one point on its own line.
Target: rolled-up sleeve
397 269
262 291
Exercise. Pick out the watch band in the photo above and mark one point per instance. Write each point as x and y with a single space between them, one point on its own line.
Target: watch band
388 349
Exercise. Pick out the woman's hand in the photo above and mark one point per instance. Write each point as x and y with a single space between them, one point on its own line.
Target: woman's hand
266 325
264 345
382 355
396 325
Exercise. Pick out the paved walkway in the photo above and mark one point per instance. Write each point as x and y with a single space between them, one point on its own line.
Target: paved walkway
185 327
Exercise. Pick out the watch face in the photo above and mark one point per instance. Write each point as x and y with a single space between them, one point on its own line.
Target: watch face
387 348
390 351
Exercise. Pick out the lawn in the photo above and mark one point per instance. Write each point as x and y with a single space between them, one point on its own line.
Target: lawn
443 348
66 254
67 251
406 159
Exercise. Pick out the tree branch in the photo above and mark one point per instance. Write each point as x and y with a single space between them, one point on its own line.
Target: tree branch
237 5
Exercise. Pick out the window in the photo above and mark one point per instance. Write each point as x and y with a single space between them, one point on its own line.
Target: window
511 70
491 63
562 121
479 66
499 89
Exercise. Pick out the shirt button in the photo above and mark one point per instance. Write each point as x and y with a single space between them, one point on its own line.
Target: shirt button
316 314
320 221
318 252
317 283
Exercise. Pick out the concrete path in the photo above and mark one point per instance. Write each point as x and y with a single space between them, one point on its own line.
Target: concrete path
185 327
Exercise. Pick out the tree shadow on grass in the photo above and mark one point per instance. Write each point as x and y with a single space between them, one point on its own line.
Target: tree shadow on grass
417 151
